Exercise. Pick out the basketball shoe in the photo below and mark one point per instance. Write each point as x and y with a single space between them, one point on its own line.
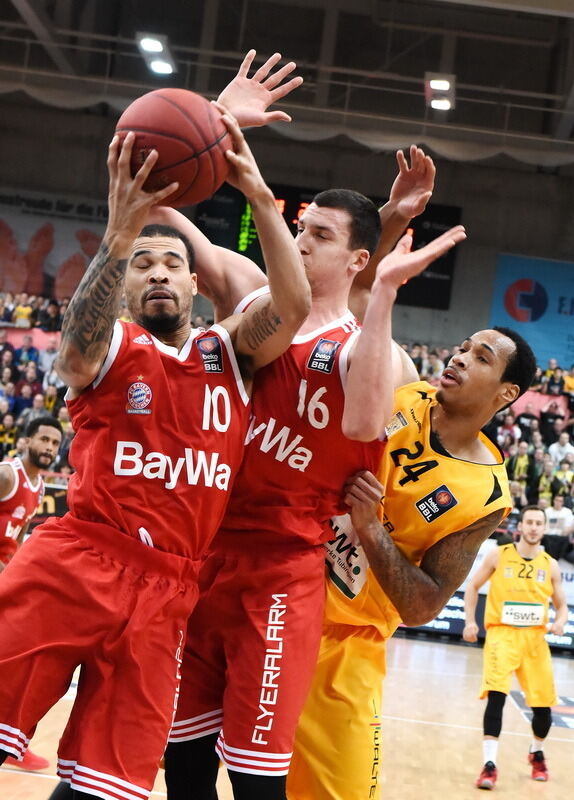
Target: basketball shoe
31 762
538 764
488 776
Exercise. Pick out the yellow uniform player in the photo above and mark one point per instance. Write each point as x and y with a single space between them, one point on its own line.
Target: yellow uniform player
523 580
445 491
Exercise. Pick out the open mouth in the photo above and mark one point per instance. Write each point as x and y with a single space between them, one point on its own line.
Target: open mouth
159 295
450 377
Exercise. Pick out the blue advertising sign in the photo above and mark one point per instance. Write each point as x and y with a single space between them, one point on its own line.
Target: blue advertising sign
535 297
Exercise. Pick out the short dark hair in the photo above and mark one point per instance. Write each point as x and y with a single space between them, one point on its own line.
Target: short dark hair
155 229
35 424
365 220
521 365
531 508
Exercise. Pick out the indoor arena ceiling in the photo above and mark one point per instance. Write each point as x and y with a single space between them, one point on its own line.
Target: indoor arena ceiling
363 61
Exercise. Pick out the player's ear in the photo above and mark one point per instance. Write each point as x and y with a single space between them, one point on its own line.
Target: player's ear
194 283
361 260
509 392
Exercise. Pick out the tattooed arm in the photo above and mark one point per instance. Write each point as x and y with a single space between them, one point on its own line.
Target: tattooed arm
266 328
417 592
89 320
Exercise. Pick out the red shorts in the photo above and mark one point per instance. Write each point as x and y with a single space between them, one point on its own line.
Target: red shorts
85 594
251 650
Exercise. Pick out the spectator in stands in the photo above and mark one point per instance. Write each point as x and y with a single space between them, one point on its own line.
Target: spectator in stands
415 354
21 316
564 477
7 360
537 380
68 434
36 410
560 449
508 428
569 387
64 307
26 354
19 448
525 420
31 379
8 308
49 318
52 378
8 433
51 399
537 442
560 524
445 355
4 343
434 369
555 383
543 488
520 467
38 304
48 355
22 400
549 416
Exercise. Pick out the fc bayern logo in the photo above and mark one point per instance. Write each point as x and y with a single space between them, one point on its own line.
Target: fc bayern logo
139 395
526 300
443 498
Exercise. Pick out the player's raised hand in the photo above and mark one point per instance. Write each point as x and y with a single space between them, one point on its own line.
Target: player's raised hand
128 203
401 264
363 494
470 632
413 186
243 173
248 99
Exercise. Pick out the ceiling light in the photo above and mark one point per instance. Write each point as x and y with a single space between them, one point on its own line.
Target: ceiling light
150 44
440 91
154 48
161 67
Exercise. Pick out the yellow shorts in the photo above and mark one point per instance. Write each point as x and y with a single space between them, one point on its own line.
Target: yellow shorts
524 651
337 752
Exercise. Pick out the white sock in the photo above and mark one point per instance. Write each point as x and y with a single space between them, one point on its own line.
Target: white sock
537 746
489 750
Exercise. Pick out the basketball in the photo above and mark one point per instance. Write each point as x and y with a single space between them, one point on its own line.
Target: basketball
191 140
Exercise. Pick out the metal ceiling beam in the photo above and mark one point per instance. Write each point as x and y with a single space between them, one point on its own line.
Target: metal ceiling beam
554 8
40 24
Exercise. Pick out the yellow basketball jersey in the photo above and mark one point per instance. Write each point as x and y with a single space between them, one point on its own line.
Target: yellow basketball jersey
520 590
428 495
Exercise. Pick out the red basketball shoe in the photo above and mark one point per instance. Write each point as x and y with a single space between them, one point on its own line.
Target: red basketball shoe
538 764
30 762
488 776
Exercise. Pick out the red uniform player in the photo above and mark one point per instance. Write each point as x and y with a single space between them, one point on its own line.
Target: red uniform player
21 492
160 412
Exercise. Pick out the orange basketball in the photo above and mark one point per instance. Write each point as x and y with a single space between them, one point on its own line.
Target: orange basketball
191 140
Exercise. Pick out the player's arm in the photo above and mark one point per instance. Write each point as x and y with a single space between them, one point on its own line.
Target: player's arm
89 320
410 193
559 601
22 534
266 328
482 574
7 480
247 99
418 593
368 390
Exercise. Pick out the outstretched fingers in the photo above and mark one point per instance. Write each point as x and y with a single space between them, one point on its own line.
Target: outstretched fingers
246 64
266 68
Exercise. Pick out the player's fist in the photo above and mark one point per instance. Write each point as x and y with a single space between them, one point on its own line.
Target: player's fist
470 632
556 628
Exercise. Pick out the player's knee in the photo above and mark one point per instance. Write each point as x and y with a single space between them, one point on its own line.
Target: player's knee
258 787
541 721
492 724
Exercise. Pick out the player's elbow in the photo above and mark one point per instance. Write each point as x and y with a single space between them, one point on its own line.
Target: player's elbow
75 371
359 428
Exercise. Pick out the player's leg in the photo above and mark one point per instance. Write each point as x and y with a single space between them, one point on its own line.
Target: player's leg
63 791
35 667
536 678
271 657
191 769
338 749
191 762
501 657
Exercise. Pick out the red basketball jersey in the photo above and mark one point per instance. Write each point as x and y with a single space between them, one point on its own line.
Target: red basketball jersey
159 438
297 458
17 508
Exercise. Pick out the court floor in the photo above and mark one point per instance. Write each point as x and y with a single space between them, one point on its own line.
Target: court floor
431 733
